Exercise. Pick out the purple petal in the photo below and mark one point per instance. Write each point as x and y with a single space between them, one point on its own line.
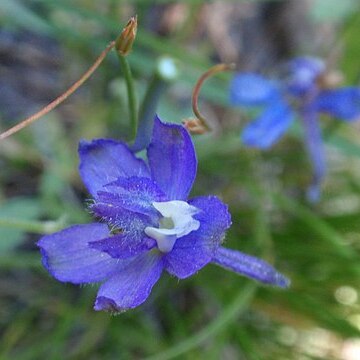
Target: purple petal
134 194
172 159
131 222
314 146
123 246
193 251
303 74
132 286
67 256
103 161
269 127
120 219
342 103
250 89
249 266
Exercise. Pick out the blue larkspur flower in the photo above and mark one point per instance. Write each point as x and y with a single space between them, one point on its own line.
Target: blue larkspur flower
148 225
302 94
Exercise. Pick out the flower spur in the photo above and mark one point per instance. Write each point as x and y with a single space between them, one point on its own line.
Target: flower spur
305 92
147 224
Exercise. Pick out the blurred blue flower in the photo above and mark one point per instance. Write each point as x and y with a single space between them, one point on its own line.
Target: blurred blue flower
302 93
147 224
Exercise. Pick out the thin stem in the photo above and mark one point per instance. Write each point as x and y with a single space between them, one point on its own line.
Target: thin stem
131 94
61 98
314 147
196 91
231 313
38 227
166 71
147 112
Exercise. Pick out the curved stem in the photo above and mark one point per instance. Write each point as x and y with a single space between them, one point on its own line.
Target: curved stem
196 91
230 313
125 67
59 99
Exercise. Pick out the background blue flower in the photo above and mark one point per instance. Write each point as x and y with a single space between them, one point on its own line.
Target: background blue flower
300 95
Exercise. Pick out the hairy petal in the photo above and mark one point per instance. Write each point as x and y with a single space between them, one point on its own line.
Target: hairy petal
103 161
132 286
342 103
133 194
68 257
124 246
193 251
249 266
124 220
250 89
269 126
172 159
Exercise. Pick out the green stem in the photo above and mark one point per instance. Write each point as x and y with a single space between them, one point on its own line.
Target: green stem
230 313
147 113
131 94
37 227
165 72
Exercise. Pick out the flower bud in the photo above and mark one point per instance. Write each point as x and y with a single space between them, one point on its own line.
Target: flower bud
125 40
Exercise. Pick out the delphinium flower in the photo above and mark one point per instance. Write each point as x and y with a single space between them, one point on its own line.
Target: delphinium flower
305 93
147 225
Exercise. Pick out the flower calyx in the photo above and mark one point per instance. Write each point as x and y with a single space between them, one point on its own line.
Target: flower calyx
125 40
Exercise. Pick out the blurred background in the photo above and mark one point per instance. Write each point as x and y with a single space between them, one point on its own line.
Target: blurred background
45 45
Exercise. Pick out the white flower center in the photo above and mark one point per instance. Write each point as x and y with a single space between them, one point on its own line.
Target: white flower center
177 221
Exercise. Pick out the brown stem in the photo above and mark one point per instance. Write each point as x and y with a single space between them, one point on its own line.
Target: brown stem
59 99
195 94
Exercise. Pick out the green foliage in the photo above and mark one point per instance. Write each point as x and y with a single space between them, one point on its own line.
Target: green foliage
214 314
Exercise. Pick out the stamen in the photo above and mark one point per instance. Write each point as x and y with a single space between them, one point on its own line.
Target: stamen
177 221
